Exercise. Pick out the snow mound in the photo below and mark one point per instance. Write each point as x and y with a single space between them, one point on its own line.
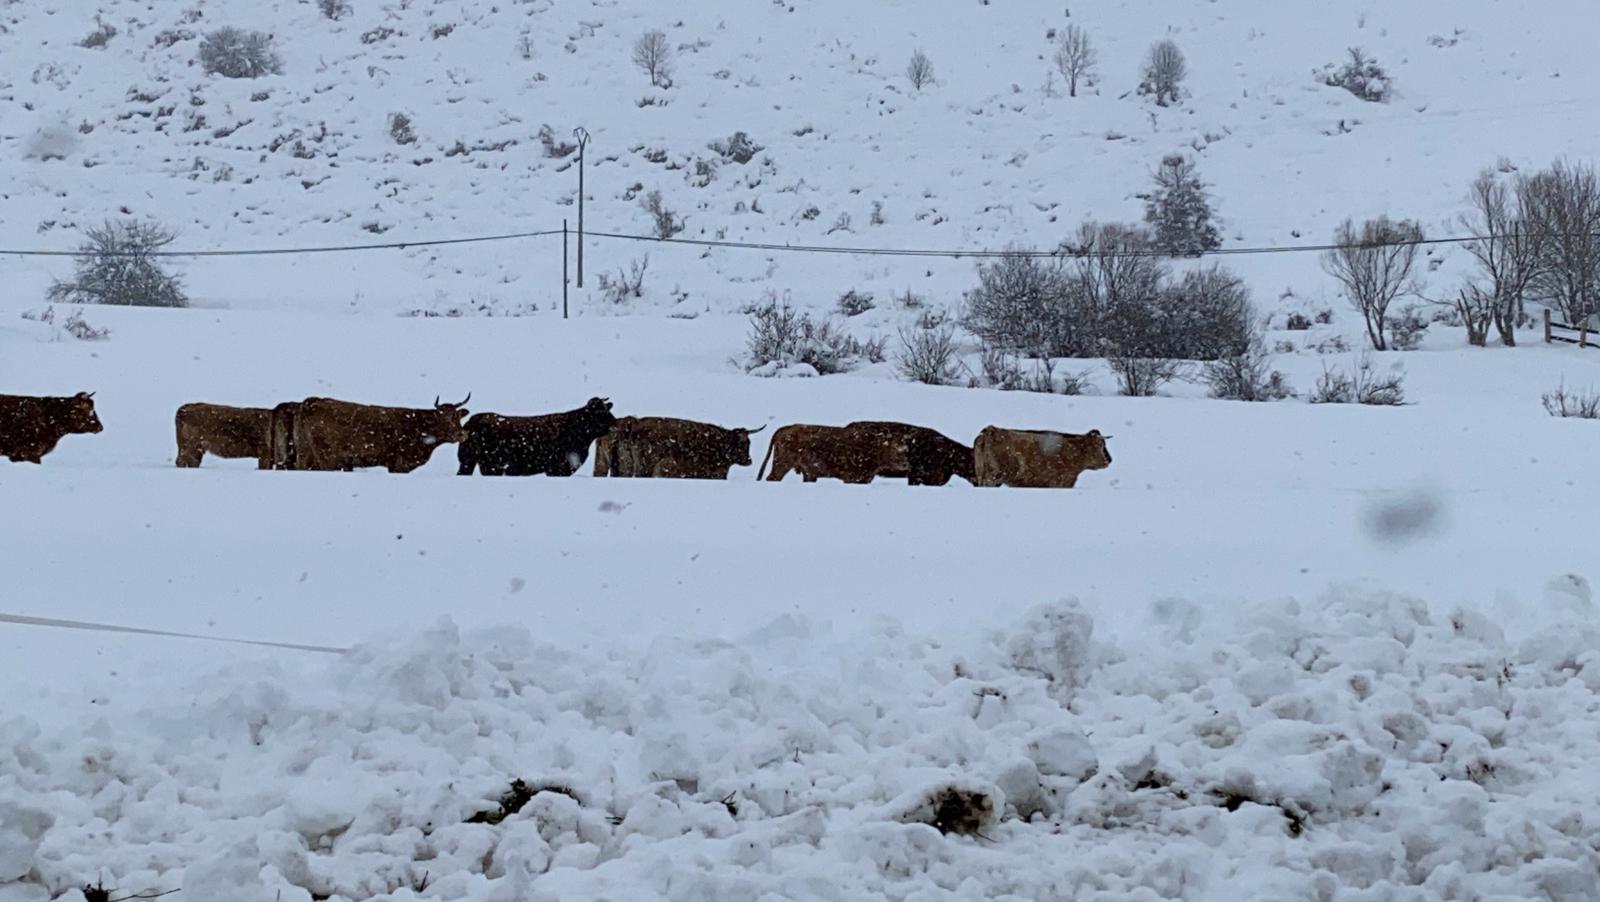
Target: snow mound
1351 748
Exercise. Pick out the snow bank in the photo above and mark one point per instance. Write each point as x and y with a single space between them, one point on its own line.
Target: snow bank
1345 748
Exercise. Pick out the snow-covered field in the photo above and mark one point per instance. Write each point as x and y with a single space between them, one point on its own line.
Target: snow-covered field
1275 651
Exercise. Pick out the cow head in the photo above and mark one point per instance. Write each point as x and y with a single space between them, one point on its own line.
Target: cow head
448 422
596 417
80 414
1097 457
737 451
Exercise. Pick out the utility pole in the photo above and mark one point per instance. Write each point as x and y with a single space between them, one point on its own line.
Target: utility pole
582 135
563 269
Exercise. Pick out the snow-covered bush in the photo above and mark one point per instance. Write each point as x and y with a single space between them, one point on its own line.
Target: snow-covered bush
100 37
53 142
1407 330
237 53
920 70
855 303
1178 211
400 130
1004 371
116 265
334 9
781 337
1362 385
1360 75
653 54
1560 403
1163 73
1246 377
1142 377
79 328
629 283
929 354
663 221
739 148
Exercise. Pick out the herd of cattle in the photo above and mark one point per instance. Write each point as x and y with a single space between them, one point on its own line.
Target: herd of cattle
327 434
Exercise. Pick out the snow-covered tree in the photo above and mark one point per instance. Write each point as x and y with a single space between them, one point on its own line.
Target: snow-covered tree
1178 210
653 54
1075 58
919 70
1164 72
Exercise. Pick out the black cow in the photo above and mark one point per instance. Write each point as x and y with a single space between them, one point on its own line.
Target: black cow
555 444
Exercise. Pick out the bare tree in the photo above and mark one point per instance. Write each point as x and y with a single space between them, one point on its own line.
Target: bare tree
929 355
1075 58
1562 207
1164 72
1375 266
919 70
1507 252
653 54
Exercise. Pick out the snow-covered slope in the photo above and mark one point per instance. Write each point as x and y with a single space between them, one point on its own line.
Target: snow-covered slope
981 158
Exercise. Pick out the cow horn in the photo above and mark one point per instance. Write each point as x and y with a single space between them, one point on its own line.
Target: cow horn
463 401
748 431
435 400
88 394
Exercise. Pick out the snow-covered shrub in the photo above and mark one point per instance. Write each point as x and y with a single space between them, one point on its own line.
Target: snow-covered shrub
1142 377
1055 642
525 45
167 37
1297 322
628 283
1075 59
1362 385
855 303
664 222
780 337
400 130
237 53
1245 377
1407 330
1375 266
928 355
1163 73
100 37
653 54
334 9
115 265
1004 371
553 148
1360 75
1178 210
1024 303
920 70
739 148
1559 403
53 142
79 328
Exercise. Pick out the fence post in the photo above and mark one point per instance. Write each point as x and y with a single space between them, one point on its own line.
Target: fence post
1547 325
564 270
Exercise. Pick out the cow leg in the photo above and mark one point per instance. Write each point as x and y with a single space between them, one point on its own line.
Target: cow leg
190 457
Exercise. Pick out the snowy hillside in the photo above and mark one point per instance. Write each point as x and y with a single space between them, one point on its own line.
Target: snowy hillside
980 158
1274 651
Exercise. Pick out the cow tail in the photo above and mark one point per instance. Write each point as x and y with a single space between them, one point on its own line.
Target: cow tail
761 472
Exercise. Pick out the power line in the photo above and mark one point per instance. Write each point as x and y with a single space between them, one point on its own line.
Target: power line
29 620
282 251
1060 252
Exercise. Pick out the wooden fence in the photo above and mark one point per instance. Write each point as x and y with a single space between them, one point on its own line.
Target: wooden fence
1582 341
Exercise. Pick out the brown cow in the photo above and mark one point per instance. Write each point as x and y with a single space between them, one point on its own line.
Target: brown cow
30 427
339 435
280 430
671 448
1037 458
224 432
920 455
856 453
